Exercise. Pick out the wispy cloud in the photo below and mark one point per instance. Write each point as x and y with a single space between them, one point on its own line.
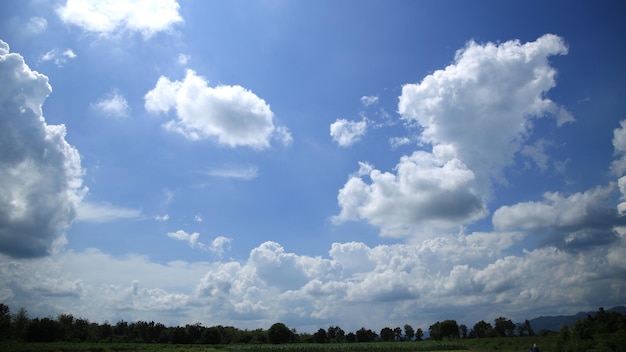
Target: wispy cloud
59 59
242 173
36 25
104 212
114 104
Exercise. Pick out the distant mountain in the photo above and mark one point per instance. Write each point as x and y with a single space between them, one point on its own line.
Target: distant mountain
555 323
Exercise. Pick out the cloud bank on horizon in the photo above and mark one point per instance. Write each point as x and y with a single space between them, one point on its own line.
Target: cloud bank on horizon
435 212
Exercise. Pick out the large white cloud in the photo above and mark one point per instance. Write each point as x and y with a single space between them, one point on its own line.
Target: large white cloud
476 115
41 173
428 191
108 17
482 105
231 114
467 278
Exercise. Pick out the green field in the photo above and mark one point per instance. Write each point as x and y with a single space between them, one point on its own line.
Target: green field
422 346
550 343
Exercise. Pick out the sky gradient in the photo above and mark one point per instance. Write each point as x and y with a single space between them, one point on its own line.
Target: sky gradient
316 163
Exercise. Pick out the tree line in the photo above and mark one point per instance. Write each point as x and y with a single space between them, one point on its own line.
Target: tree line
65 327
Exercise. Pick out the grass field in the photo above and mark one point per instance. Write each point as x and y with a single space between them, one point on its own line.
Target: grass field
509 344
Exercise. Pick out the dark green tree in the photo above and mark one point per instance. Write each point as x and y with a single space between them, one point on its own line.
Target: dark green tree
504 327
419 334
5 322
434 331
320 336
450 329
19 322
212 336
279 333
409 333
363 335
386 334
525 329
463 331
336 334
482 329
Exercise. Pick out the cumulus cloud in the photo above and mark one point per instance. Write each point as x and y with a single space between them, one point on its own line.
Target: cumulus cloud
483 104
181 235
384 284
41 173
232 115
475 115
346 133
114 105
579 220
618 167
109 17
427 191
218 246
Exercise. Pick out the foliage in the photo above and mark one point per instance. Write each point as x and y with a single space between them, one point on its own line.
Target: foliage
602 331
279 333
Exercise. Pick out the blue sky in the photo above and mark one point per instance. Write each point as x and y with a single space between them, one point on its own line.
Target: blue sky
354 163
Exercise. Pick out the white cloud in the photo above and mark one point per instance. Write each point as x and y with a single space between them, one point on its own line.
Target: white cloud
396 142
382 285
618 167
243 173
107 17
59 59
181 235
218 246
36 25
162 218
536 152
482 105
103 212
232 115
183 59
476 115
369 100
579 220
429 191
114 104
41 173
69 53
346 133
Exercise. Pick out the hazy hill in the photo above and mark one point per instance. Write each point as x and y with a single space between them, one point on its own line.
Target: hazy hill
555 323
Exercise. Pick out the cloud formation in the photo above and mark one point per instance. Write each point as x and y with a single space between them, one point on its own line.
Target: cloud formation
108 17
428 191
232 115
482 105
103 212
441 278
346 133
36 25
475 115
41 173
114 105
59 59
